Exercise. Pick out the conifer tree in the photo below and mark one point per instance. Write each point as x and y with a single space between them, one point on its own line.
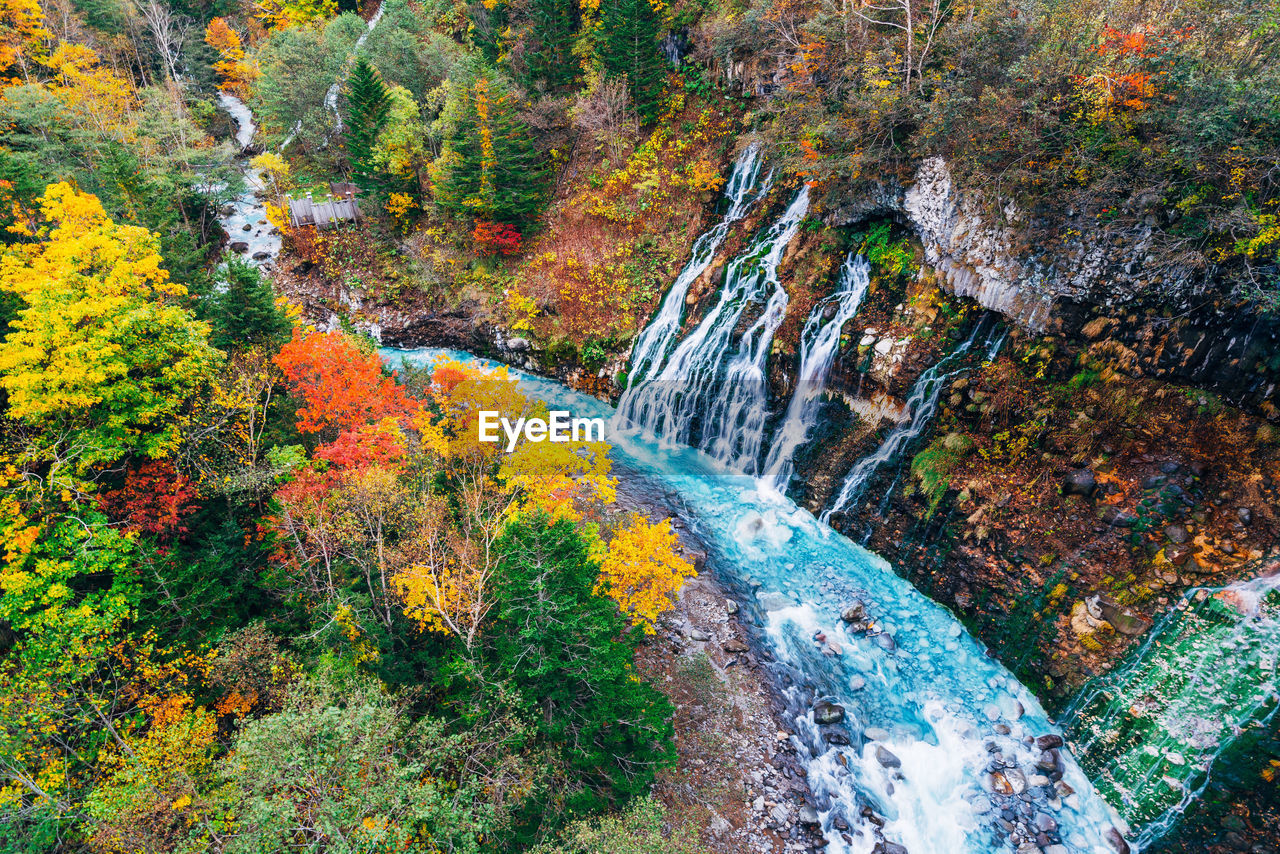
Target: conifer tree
632 29
488 168
245 313
368 107
549 57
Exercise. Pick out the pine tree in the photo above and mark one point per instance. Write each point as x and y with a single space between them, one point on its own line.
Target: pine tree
549 56
632 29
245 313
488 168
368 106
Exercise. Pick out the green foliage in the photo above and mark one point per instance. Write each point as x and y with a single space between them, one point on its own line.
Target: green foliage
368 108
932 467
356 767
488 167
889 256
548 54
640 829
244 314
632 30
567 652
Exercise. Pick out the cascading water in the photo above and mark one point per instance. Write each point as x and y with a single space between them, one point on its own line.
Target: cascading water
696 386
819 343
246 221
922 403
1149 732
935 750
331 95
742 190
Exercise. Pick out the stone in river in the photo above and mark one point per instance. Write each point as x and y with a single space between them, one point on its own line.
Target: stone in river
856 612
826 712
808 816
261 256
1010 781
1048 742
239 246
888 760
735 645
884 640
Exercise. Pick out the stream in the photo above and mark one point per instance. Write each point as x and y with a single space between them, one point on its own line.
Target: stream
245 219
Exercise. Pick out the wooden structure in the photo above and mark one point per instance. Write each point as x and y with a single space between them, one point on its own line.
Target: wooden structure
330 212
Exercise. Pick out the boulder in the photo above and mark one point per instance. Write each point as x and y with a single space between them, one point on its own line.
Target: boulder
855 613
735 646
1080 482
886 758
826 712
1176 534
808 816
1048 742
239 246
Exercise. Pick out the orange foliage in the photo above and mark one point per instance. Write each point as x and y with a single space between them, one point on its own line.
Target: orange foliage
231 66
340 385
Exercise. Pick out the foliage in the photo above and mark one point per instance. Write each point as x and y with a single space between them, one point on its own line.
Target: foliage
568 654
102 356
235 72
632 29
368 109
491 237
244 314
639 829
340 385
22 35
488 167
643 571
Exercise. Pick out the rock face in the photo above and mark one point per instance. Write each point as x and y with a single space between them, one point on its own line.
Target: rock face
1166 317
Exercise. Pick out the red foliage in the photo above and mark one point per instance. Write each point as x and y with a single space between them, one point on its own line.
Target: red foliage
154 500
496 237
341 386
365 445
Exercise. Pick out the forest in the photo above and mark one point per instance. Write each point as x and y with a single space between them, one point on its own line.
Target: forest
990 289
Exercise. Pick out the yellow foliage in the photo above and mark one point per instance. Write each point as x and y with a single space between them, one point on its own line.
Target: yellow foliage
643 571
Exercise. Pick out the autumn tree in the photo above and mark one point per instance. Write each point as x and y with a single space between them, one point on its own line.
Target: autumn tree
231 67
488 168
643 570
102 355
632 30
283 14
339 385
22 37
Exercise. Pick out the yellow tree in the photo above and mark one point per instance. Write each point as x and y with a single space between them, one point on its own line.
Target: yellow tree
22 37
231 66
643 571
101 356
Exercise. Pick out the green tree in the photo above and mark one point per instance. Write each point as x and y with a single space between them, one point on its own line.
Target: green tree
348 763
368 108
549 51
632 29
488 168
568 653
245 314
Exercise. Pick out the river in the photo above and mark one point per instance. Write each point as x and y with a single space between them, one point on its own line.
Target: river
938 740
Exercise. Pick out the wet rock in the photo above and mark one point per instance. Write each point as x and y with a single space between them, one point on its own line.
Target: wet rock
889 848
1170 467
1048 742
1245 515
698 635
875 733
735 646
1177 555
1050 761
1125 621
857 683
837 738
1177 534
239 246
1154 481
1010 781
246 227
885 641
261 256
855 613
825 712
1117 841
1080 482
808 816
730 607
1118 518
886 758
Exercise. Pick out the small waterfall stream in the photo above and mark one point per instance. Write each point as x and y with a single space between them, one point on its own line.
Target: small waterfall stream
742 190
696 396
922 403
246 221
1150 731
819 342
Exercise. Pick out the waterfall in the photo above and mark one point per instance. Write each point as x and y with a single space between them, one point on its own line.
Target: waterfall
922 403
695 387
1149 732
819 343
331 96
742 190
